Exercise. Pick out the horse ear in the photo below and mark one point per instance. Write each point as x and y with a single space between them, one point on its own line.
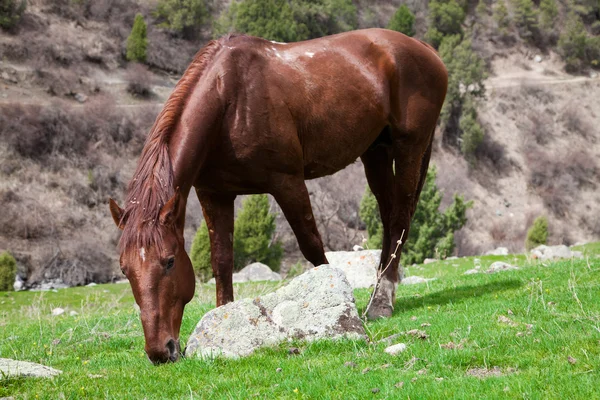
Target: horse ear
168 212
117 214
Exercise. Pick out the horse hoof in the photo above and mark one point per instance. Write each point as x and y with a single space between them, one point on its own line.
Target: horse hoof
380 311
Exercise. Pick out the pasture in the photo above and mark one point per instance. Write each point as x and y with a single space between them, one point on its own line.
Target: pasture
530 333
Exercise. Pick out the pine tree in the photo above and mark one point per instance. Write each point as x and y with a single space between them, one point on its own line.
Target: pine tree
525 18
548 14
253 234
369 214
445 18
471 131
500 15
402 21
537 234
573 43
184 17
200 253
431 231
11 12
137 40
8 271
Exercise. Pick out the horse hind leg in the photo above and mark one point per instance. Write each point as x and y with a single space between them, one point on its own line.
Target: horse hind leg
403 187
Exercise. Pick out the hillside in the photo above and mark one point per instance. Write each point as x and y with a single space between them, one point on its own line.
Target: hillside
74 114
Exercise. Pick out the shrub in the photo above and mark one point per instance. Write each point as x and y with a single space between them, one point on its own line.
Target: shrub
139 80
402 21
253 235
369 214
269 19
11 12
445 18
537 234
200 253
431 231
8 271
184 17
137 42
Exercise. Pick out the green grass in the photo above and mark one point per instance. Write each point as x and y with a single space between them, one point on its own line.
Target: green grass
101 353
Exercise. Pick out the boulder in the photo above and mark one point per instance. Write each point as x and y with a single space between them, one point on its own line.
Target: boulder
10 367
360 267
544 252
430 260
254 272
500 266
317 304
500 251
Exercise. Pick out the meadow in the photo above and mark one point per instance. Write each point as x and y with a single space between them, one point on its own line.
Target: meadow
530 333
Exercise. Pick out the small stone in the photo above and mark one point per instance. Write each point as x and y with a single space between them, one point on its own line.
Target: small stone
413 380
413 318
471 272
375 390
80 97
505 320
56 342
399 385
551 303
425 324
293 350
91 284
537 59
350 364
430 260
500 266
509 312
73 313
422 371
413 280
395 349
519 334
278 370
95 376
572 360
439 379
364 371
386 366
357 248
58 311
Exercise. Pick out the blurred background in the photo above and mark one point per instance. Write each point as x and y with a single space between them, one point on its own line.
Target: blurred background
81 82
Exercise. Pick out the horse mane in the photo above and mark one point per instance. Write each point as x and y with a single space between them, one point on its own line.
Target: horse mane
152 183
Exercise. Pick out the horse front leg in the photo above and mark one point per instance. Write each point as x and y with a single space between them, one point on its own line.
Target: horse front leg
218 213
292 196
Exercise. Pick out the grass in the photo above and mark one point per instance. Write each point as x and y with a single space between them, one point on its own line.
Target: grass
554 314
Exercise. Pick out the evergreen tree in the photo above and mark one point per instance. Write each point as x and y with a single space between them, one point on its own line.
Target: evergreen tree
185 17
8 271
369 214
471 131
500 15
200 253
252 239
403 21
445 18
537 234
576 48
253 234
466 73
525 18
137 40
11 12
548 14
431 232
325 17
269 19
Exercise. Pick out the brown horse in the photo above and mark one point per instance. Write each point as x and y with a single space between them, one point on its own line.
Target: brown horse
254 116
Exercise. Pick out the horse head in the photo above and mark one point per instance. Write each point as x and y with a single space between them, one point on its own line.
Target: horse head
161 276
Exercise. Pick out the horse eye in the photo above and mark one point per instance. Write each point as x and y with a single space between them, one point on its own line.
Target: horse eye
123 270
170 263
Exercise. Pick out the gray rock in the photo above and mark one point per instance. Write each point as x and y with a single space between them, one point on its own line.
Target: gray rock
357 248
500 251
500 266
396 349
472 271
19 284
80 97
430 260
537 58
58 311
10 367
360 267
253 273
316 304
544 252
413 280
